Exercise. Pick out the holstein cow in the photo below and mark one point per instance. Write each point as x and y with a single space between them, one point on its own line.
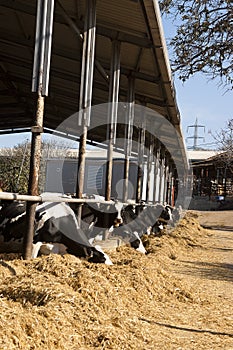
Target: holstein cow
129 222
55 223
149 218
145 218
12 220
99 218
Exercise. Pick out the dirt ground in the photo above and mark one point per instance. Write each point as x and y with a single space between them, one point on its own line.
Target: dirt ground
208 269
179 296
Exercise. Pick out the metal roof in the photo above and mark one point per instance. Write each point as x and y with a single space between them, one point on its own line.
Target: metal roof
135 23
201 155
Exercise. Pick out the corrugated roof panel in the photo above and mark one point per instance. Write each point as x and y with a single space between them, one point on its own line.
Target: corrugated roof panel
123 15
135 23
149 89
156 108
103 50
148 63
64 66
201 155
65 38
129 55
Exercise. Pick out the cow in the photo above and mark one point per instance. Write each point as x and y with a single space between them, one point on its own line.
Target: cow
101 219
151 218
148 218
12 220
128 222
54 223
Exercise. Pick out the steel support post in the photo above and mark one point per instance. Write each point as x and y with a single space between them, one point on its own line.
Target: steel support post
33 177
85 97
154 160
77 31
172 190
128 134
172 187
149 167
170 183
175 187
112 113
156 167
141 143
166 179
161 176
40 83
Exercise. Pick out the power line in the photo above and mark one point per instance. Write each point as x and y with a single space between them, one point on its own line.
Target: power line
195 136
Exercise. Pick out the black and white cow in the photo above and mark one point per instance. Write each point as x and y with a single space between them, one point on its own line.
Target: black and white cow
129 222
99 218
12 220
146 218
55 223
159 216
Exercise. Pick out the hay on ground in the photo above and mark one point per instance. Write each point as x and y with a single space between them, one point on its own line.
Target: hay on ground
62 302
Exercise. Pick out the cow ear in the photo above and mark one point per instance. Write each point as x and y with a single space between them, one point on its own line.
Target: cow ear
39 215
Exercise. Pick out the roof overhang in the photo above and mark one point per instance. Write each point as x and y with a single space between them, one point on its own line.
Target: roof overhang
135 23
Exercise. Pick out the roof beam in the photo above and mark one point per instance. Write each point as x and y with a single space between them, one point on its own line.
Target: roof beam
124 37
103 30
100 86
69 55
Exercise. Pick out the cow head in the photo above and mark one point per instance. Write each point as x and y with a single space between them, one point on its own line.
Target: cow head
118 220
98 256
136 243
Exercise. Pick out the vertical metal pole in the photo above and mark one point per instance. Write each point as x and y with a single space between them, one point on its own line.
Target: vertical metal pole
149 161
85 97
128 135
141 142
154 175
166 177
126 178
40 82
175 188
156 167
43 43
172 190
112 113
81 162
33 177
161 176
169 183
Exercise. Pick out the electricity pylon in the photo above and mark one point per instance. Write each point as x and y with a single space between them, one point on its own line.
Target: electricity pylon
195 137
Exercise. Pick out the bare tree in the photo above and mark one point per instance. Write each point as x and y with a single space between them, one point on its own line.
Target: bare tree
15 162
14 168
204 38
224 139
224 159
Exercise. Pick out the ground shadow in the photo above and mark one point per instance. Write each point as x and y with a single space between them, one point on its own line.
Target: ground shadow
186 328
221 249
212 271
218 228
10 268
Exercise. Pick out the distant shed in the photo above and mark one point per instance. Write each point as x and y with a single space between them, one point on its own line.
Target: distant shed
212 172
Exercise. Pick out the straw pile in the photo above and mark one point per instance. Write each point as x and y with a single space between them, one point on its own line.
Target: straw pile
62 302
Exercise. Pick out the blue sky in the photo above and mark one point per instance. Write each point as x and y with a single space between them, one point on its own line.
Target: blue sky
204 100
201 98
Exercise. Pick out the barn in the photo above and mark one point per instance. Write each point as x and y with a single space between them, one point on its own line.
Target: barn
96 72
212 173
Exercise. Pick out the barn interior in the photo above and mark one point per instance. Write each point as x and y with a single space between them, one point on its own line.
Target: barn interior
134 26
95 71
